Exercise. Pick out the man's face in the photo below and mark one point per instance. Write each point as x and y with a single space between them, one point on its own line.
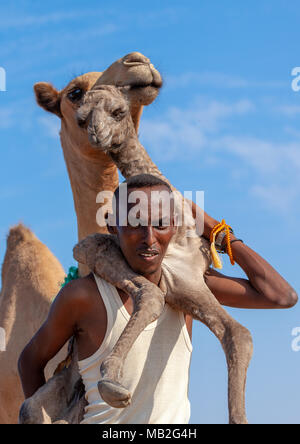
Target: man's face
145 245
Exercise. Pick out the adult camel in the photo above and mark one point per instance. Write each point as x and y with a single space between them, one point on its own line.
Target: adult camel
31 275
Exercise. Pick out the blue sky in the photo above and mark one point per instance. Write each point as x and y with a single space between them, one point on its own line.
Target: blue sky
226 122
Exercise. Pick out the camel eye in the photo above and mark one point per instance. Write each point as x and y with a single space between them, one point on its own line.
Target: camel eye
75 94
118 113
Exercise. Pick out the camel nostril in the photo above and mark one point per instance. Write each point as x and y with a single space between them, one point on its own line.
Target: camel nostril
135 58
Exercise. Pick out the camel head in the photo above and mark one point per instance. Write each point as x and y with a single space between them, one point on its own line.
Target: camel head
90 169
105 113
134 71
137 72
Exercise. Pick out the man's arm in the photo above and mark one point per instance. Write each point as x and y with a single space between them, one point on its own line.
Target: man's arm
265 288
59 326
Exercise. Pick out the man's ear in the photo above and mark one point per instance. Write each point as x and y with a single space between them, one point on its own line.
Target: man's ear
111 229
175 224
111 223
47 97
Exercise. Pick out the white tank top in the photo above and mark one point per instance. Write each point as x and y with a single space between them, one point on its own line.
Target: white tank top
156 370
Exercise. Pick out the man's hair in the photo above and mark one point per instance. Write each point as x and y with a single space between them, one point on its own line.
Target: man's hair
138 181
142 181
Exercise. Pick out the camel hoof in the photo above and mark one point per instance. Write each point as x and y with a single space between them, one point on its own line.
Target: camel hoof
114 393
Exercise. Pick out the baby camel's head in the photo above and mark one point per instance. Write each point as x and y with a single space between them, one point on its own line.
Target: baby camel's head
105 114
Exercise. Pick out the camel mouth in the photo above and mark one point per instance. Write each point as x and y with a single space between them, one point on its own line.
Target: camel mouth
154 84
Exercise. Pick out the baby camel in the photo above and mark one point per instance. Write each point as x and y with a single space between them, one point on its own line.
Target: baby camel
105 113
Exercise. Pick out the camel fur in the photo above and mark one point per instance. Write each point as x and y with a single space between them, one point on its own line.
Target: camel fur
106 114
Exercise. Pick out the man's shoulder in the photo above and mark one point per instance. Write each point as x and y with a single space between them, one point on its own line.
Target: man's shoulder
79 291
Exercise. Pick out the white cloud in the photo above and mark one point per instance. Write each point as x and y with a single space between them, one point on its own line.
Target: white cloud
275 196
18 114
142 19
263 156
275 169
45 46
37 20
51 125
6 117
289 110
206 78
272 167
187 130
11 192
218 80
292 131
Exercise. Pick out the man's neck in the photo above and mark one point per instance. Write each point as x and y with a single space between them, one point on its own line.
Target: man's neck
154 277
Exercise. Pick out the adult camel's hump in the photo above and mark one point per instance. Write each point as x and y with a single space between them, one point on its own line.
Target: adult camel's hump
30 279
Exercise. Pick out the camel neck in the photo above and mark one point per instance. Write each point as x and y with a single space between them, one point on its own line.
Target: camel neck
133 159
90 171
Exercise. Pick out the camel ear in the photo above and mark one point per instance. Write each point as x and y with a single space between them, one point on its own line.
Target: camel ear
47 97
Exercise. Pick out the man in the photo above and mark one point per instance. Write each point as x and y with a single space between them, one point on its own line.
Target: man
157 368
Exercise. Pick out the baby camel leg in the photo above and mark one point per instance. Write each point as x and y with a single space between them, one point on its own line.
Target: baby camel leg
148 305
103 255
235 339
